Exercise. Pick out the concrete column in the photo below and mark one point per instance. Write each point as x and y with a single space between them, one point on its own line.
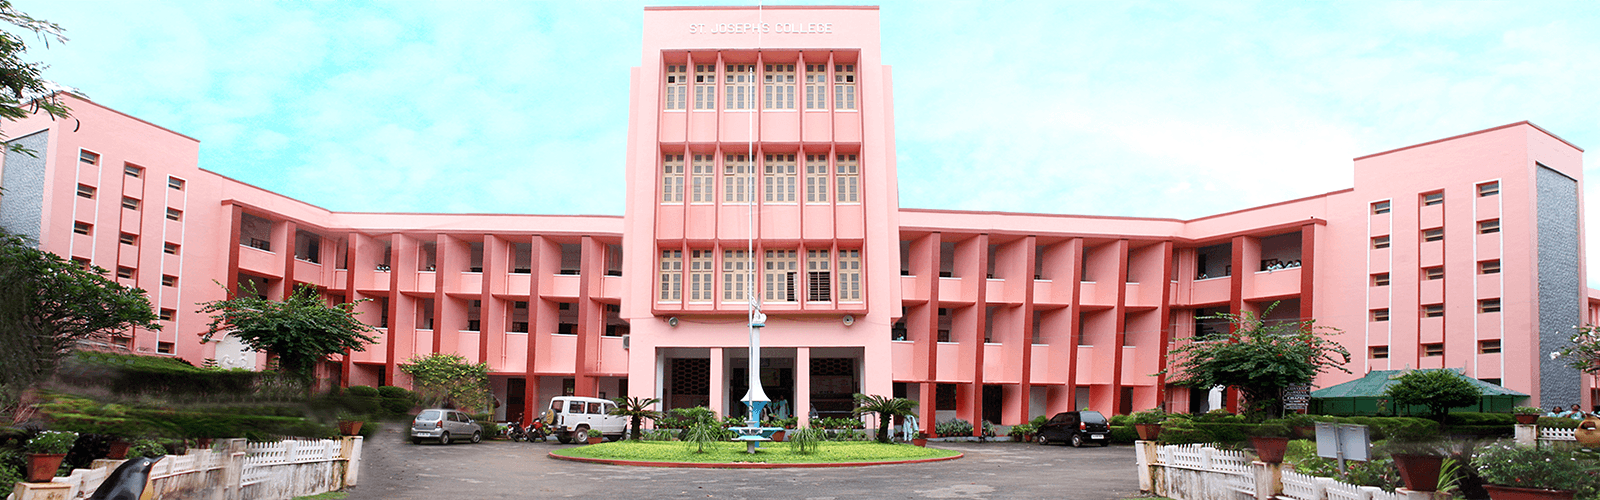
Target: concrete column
233 453
350 450
802 386
719 383
1146 451
1527 434
1269 479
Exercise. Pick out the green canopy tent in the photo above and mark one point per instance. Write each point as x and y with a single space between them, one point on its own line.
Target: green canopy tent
1364 396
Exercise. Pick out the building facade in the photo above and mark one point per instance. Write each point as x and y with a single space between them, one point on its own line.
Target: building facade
761 169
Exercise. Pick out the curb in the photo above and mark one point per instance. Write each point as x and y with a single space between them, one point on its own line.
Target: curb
689 465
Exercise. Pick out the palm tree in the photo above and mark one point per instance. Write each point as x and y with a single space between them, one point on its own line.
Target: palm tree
638 409
886 408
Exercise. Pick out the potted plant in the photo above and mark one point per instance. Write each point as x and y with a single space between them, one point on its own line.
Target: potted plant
1416 456
1270 439
595 437
1526 415
1510 471
117 449
45 452
1016 432
1148 423
1304 425
349 424
921 439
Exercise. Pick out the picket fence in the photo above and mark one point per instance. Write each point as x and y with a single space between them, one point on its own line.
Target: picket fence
1200 472
237 469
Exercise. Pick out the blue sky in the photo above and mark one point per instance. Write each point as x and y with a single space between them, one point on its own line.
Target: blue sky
1160 109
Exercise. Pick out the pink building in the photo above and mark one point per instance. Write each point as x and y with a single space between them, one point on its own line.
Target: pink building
761 164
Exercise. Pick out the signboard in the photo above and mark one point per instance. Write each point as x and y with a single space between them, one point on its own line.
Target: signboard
1343 441
1297 397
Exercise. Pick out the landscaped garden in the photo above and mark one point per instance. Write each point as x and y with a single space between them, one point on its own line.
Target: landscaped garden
723 452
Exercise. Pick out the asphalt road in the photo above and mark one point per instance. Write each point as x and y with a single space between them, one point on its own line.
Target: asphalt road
393 469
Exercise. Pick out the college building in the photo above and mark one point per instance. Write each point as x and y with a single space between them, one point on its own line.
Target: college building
761 170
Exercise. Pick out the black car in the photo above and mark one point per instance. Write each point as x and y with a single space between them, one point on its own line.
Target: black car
1075 427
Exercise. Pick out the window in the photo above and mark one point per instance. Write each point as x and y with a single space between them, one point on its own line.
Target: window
816 86
672 179
1490 188
1432 273
849 175
520 304
1380 314
1433 311
474 325
849 275
1489 267
705 86
944 335
174 214
125 272
169 280
1434 234
1380 208
167 314
1489 226
127 239
1378 352
780 182
816 178
88 157
844 86
175 183
736 171
133 171
819 285
1432 350
85 191
700 276
130 203
738 86
701 182
1380 279
1434 198
780 86
82 227
1489 346
677 86
519 326
1489 305
1380 242
164 347
735 268
779 280
671 276
170 248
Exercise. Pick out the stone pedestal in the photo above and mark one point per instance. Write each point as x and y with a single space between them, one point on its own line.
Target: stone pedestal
42 491
1146 451
1269 479
1527 434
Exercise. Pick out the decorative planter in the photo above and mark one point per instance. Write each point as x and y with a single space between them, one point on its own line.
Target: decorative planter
1588 433
1148 432
1421 472
349 427
778 436
1305 431
118 450
596 439
42 466
1270 449
1498 492
919 441
1526 419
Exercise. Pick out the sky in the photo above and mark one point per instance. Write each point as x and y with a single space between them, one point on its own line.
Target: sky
1158 109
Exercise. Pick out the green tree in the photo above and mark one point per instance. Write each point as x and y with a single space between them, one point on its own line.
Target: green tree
25 91
886 407
301 331
49 305
636 409
448 379
1439 390
1260 358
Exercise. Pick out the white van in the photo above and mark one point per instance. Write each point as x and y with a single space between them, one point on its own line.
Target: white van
570 417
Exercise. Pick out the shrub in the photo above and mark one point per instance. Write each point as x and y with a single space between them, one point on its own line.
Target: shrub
396 401
1475 418
1219 416
1544 467
52 442
1181 430
366 391
804 441
1039 421
146 448
1271 428
953 427
1150 416
699 435
660 434
1124 434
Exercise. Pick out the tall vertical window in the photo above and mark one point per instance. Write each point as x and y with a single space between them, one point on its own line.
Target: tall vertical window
736 170
705 86
701 179
819 285
738 86
780 86
735 267
671 276
672 179
816 86
844 86
677 90
849 275
849 178
780 178
816 178
700 276
781 266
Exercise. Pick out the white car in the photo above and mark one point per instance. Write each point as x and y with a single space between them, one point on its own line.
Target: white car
569 418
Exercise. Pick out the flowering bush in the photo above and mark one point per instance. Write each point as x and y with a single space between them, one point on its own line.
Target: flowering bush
1584 353
1545 467
52 442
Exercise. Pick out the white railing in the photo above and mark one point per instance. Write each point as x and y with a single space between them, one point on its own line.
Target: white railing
251 463
1199 472
1555 434
1301 487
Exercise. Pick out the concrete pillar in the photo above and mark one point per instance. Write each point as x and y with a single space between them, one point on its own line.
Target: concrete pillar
233 453
719 383
1527 434
350 450
802 386
1146 456
1269 479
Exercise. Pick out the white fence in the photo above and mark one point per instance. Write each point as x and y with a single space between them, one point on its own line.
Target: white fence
237 470
1199 472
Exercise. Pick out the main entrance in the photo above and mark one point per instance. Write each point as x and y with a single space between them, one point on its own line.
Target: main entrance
834 376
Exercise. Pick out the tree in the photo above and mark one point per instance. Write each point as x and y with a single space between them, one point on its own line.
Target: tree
49 306
1260 358
25 92
1439 390
1584 353
442 379
886 407
637 409
301 331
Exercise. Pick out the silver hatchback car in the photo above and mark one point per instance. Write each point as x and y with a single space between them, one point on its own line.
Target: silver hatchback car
445 426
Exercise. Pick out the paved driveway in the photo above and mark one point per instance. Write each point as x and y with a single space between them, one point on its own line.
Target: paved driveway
394 469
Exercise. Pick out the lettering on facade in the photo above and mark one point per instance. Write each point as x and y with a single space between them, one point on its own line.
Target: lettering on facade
764 28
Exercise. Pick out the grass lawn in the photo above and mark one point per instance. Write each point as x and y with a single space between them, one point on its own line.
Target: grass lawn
772 453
